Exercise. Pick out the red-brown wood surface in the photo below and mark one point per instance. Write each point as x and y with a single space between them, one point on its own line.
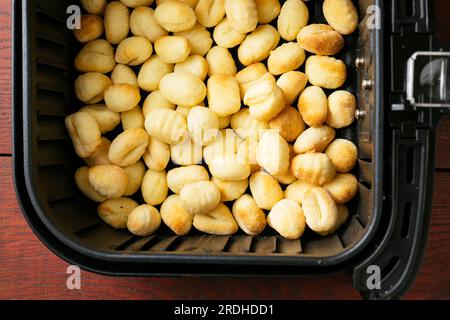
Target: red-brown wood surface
28 270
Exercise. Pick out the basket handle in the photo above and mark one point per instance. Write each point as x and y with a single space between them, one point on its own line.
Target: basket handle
389 271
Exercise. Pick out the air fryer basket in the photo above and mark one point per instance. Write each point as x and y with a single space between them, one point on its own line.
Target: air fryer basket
67 223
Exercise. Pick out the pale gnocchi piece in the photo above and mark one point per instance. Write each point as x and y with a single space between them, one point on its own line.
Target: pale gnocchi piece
292 83
288 219
166 125
265 190
342 188
128 147
122 97
341 109
186 153
293 17
144 220
342 217
115 212
226 142
268 10
183 89
273 153
286 179
200 198
175 16
172 49
91 28
203 125
108 180
133 118
219 222
288 123
154 187
90 87
137 3
252 74
314 168
179 177
287 57
144 24
96 56
134 51
314 139
83 184
248 127
250 218
175 217
151 73
224 122
195 65
94 6
297 190
135 174
156 100
100 156
223 95
344 155
184 111
117 22
226 36
229 167
220 61
320 39
84 133
191 3
106 119
242 14
230 190
199 39
247 151
341 15
320 211
265 100
157 155
326 72
258 44
313 106
123 74
210 12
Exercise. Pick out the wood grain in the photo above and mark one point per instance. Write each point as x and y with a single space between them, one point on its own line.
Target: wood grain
5 77
443 139
28 270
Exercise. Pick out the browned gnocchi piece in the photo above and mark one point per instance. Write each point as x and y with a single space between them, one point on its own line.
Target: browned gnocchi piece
314 168
320 211
143 220
287 218
200 198
175 16
108 180
144 24
314 139
90 87
91 28
117 22
219 222
265 190
122 97
84 132
313 106
128 147
289 124
154 187
83 184
250 218
96 56
320 39
344 154
343 187
175 217
115 212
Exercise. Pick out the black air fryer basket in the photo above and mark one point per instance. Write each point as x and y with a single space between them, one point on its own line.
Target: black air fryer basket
397 70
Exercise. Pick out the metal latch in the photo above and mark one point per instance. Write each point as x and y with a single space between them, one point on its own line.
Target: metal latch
428 80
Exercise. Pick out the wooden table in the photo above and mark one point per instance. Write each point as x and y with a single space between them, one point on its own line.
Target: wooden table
29 270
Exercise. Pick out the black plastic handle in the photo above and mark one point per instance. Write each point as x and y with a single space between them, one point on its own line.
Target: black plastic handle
406 216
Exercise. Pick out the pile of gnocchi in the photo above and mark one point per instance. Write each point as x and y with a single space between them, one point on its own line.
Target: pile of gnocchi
210 122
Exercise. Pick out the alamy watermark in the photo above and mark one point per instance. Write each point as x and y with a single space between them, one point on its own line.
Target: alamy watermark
73 281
